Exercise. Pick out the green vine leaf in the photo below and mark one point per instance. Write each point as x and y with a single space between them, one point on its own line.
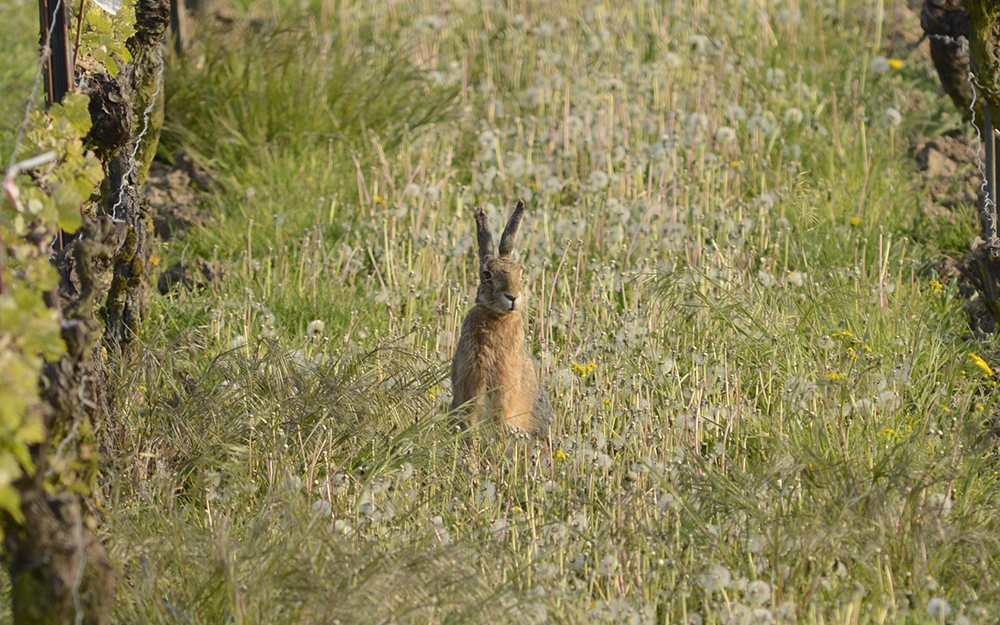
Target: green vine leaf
10 500
74 109
105 35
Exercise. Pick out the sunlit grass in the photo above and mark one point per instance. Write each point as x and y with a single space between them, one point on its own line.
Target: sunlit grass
765 411
17 72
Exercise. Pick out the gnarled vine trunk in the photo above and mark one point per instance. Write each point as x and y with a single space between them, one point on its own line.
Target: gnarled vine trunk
60 572
983 267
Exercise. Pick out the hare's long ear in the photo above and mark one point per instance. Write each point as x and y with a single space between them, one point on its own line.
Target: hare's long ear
510 231
483 234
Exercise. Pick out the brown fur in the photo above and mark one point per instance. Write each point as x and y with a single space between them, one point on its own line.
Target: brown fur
492 373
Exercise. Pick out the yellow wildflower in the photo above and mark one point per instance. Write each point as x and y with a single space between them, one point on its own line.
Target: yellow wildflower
979 362
560 454
835 377
855 221
936 287
378 199
583 370
895 63
851 354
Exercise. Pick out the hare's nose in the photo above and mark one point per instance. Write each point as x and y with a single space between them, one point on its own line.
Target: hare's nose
512 299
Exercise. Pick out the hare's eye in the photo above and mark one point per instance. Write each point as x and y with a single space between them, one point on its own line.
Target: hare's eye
487 276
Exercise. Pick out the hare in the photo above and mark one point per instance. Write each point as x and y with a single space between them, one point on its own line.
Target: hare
493 373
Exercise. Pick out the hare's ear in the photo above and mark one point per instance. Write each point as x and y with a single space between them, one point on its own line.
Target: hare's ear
483 234
510 231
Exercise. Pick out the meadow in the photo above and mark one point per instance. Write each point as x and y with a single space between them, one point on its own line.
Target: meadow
768 405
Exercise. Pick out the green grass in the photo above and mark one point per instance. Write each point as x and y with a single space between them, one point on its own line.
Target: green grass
763 403
17 74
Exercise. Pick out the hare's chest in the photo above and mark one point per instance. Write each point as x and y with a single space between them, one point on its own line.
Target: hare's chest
500 361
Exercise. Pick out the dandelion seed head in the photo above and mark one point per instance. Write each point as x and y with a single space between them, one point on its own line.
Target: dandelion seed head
774 76
406 471
725 134
793 116
716 579
736 614
892 117
758 592
315 328
607 565
598 180
698 43
785 612
940 503
486 138
322 507
938 608
429 22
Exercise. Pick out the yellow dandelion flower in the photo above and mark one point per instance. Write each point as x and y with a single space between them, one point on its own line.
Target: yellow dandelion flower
378 199
979 362
855 221
978 408
583 370
845 333
891 433
895 63
560 454
734 164
835 377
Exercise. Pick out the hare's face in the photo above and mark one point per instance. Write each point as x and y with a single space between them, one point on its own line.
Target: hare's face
499 276
500 286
